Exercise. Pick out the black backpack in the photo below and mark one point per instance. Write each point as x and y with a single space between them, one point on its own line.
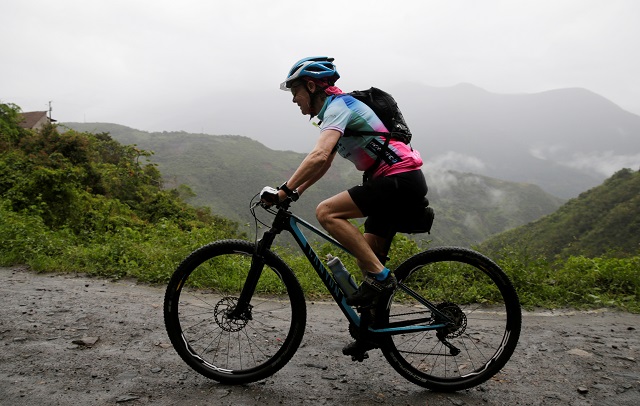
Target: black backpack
386 108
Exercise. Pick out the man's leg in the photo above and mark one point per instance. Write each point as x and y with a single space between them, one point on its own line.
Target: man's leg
379 245
334 214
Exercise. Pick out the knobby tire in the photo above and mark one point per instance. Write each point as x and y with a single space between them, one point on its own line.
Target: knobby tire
202 291
476 295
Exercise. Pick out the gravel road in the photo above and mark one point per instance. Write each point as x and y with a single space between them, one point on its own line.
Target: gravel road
73 340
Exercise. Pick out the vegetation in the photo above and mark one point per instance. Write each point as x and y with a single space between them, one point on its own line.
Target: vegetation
82 202
601 221
577 281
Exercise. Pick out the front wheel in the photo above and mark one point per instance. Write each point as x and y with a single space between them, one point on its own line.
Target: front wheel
475 303
223 345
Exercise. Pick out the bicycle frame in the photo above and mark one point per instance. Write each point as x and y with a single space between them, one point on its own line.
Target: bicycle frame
287 221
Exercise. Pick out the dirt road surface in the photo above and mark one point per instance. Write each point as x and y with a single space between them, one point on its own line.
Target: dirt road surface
73 340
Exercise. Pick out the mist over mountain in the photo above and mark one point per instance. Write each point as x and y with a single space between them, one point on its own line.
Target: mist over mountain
566 140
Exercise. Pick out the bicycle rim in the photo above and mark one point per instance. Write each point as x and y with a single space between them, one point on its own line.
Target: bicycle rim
477 303
205 287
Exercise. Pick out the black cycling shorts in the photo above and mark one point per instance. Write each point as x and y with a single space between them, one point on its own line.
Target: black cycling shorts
389 201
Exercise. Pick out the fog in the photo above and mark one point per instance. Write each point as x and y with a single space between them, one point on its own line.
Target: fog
214 67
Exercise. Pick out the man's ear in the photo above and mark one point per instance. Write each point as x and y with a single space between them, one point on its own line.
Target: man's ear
311 86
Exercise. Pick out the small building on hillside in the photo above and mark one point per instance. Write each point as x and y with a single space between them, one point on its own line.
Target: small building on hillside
35 120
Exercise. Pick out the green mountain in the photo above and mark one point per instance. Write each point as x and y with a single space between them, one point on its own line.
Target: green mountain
226 171
470 208
603 220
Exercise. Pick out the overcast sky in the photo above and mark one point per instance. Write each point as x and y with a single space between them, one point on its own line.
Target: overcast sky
173 65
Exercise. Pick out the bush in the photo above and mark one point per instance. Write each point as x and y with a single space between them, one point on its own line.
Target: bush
578 282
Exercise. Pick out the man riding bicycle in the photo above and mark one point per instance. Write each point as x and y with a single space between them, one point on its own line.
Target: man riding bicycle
393 186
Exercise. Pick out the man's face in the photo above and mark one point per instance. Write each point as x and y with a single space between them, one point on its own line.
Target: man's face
301 97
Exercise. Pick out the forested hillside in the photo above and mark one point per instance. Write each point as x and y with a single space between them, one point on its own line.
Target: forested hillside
84 202
603 220
470 208
225 171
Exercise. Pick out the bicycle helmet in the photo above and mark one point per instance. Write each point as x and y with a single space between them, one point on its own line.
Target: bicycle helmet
317 67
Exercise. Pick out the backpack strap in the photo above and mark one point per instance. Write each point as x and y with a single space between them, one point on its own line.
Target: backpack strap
368 174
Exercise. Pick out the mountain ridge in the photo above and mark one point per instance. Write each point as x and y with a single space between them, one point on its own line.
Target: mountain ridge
226 171
542 138
564 140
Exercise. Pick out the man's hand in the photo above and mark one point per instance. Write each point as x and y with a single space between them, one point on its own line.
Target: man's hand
269 196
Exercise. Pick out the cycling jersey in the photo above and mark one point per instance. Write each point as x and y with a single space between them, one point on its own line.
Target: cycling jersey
344 111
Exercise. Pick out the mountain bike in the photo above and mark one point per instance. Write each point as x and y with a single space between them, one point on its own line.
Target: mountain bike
235 311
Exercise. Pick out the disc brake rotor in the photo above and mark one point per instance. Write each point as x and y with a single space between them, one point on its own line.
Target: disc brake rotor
223 309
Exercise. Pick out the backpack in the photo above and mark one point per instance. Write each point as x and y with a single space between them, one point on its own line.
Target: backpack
386 108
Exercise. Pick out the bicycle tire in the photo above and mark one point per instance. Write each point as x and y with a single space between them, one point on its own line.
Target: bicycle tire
470 289
205 286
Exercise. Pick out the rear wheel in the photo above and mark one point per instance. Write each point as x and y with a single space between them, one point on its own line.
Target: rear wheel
230 348
476 304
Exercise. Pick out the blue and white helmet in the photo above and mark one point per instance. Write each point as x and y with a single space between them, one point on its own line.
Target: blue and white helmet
317 67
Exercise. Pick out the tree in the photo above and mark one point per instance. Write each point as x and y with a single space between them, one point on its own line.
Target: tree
10 119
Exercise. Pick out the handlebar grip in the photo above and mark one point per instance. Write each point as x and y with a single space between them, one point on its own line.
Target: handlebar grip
269 195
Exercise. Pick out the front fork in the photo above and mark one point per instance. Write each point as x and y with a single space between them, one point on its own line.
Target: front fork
242 310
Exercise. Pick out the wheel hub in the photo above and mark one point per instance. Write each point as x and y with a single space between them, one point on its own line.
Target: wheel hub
455 318
223 315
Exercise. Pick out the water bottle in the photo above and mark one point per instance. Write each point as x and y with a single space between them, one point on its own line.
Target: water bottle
341 275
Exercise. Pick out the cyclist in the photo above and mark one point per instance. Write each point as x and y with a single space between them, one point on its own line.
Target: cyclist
385 197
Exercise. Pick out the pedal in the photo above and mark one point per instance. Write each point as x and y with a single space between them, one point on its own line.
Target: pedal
360 357
358 350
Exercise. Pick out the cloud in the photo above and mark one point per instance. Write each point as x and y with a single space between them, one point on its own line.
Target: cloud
452 160
545 152
497 197
438 170
606 163
107 59
440 180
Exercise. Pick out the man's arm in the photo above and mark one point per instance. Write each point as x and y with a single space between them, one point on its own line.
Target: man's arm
316 163
318 175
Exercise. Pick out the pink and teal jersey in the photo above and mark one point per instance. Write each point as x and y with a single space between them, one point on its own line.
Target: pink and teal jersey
343 111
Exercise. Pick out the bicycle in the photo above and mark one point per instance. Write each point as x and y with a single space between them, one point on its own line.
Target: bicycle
452 323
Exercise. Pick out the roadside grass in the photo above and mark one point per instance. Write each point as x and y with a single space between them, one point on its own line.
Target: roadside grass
151 254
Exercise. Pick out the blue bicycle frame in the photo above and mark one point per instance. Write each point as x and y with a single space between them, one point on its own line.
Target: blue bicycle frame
287 221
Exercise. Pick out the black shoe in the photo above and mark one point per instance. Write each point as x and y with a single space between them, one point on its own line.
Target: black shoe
371 289
358 349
